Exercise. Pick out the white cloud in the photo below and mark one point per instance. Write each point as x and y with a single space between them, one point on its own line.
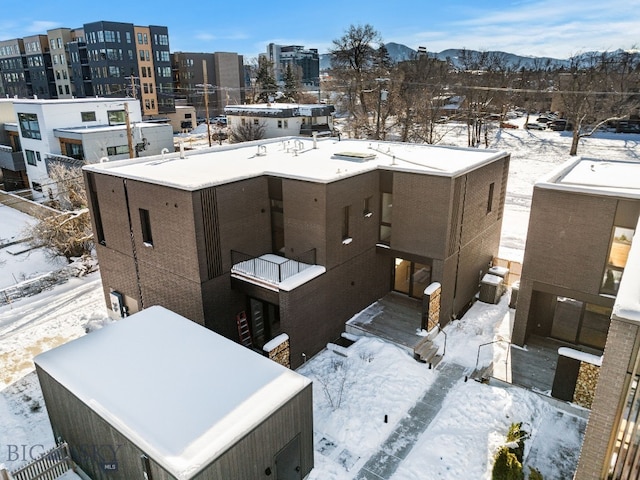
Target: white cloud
40 26
541 28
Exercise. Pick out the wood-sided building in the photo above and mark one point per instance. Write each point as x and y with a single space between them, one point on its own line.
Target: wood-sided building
159 397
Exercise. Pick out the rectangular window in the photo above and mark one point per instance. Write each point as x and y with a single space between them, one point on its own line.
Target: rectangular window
286 123
490 198
31 157
279 123
118 150
88 116
117 117
145 225
36 186
366 211
345 223
385 217
255 121
128 36
617 260
140 38
29 125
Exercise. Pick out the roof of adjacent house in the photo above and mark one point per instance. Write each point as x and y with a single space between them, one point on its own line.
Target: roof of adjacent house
180 392
327 160
595 176
280 110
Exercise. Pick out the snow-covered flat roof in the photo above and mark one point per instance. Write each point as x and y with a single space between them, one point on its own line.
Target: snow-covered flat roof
60 101
105 128
596 176
181 393
296 158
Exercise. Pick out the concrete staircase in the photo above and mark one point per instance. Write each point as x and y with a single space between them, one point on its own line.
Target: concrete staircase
426 351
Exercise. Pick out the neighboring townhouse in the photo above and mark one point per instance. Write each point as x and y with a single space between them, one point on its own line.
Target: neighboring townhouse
14 171
583 219
219 75
84 130
156 396
295 235
282 119
580 286
611 447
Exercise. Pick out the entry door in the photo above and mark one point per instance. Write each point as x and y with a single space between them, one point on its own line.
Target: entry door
288 461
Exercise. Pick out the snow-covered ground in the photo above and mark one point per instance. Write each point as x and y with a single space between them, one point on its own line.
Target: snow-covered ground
351 395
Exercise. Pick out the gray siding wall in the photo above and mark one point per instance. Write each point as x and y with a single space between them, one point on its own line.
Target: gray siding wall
249 458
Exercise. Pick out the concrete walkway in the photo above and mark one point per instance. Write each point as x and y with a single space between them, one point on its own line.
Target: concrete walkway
395 449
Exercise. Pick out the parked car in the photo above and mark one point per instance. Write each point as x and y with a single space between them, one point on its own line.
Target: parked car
560 125
535 126
507 125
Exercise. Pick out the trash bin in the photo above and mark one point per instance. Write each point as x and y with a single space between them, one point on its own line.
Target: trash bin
491 288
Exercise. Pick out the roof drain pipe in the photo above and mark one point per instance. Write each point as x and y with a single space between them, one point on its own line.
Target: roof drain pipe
315 140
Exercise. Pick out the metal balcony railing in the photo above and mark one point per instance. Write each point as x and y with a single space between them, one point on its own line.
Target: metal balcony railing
271 268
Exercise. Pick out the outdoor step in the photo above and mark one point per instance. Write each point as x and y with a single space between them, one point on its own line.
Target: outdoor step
425 351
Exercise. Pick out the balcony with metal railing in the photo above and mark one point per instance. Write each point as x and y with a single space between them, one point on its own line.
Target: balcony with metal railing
273 271
11 160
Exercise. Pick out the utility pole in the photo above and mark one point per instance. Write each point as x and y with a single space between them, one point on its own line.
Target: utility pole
134 90
129 138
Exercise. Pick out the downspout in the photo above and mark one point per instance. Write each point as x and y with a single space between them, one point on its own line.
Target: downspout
133 245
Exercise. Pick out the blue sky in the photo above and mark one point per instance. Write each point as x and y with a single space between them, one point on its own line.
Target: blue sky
554 28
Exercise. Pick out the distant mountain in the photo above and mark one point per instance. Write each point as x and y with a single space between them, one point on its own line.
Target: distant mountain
399 53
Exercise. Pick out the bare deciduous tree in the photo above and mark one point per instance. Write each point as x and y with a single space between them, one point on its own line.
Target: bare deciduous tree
69 232
352 63
247 132
597 89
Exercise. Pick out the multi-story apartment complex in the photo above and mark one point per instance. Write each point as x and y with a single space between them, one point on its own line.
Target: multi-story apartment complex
295 234
106 59
131 60
219 75
26 67
305 63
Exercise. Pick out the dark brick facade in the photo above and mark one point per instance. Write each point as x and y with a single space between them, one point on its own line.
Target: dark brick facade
187 267
566 253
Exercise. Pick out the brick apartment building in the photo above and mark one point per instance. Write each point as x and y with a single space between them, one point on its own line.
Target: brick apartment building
299 234
583 217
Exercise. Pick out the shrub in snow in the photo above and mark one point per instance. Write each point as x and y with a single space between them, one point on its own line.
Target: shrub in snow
516 436
535 474
506 466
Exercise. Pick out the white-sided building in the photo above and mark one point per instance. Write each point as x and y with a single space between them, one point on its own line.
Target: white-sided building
82 130
283 119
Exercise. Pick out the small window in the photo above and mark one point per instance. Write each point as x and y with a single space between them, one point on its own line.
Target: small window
118 150
279 123
345 224
88 116
145 224
117 117
490 199
286 123
366 211
36 186
255 121
31 157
